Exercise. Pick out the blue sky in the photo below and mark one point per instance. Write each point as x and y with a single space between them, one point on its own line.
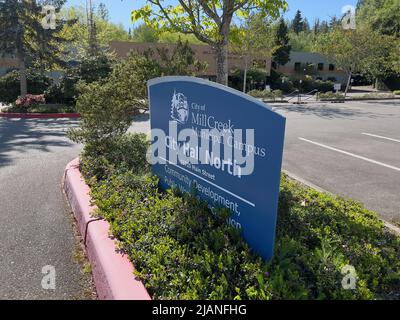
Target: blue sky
312 9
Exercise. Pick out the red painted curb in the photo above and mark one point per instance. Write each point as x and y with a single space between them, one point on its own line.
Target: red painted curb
39 115
112 271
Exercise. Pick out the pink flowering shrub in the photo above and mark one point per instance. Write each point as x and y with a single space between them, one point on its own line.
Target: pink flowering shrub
29 100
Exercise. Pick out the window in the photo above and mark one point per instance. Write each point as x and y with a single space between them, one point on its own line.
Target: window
331 67
320 66
297 66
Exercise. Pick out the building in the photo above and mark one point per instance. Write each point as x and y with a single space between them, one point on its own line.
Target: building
203 53
312 64
7 64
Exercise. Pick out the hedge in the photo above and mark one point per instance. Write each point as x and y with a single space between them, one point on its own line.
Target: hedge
182 251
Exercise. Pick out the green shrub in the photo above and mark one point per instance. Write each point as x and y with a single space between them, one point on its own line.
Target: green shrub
126 152
272 95
255 78
88 70
107 106
10 85
396 92
375 95
331 96
324 86
182 251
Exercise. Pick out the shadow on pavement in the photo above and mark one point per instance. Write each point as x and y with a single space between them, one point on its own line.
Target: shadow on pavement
25 135
330 112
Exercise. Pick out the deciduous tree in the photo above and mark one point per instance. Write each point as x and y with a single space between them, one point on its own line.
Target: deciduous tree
208 20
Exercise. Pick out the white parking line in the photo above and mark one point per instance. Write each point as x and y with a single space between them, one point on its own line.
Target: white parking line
381 137
351 154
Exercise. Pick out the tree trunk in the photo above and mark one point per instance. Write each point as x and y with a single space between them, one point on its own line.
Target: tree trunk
22 76
348 84
222 62
245 74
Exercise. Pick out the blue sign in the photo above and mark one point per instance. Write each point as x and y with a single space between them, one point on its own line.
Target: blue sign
223 143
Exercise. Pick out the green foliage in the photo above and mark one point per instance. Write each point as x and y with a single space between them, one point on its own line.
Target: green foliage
298 23
78 33
88 70
43 108
383 16
125 152
107 106
22 34
302 41
144 33
396 92
281 54
187 17
209 22
362 50
182 251
255 79
264 94
10 85
331 96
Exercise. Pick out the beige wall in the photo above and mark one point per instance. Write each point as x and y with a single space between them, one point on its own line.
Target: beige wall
8 63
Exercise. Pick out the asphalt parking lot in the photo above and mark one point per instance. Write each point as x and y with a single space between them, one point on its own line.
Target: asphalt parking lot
35 222
350 149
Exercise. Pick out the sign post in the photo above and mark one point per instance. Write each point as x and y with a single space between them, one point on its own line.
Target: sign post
224 144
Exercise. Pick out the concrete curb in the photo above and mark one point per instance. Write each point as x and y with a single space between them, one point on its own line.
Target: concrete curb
39 115
112 271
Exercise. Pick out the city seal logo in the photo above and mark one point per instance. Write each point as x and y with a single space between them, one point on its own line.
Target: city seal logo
179 108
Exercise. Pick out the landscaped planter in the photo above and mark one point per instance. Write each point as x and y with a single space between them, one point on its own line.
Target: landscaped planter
113 273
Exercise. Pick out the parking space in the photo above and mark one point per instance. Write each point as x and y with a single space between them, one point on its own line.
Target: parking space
352 149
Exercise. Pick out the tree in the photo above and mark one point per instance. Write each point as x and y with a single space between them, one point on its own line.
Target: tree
78 34
52 45
382 16
281 54
23 35
103 121
297 23
306 25
340 46
144 33
253 40
361 50
103 12
334 23
208 20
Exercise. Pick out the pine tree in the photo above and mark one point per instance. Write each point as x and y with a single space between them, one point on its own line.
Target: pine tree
317 26
102 11
23 35
297 23
306 25
281 55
